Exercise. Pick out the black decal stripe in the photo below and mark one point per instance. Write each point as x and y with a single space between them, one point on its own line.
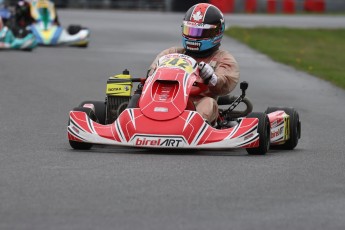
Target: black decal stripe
280 139
190 116
185 80
131 114
75 124
74 134
234 131
248 141
119 130
282 122
200 133
90 124
251 130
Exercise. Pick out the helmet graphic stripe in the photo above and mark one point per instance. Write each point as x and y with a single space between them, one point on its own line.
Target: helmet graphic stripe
199 12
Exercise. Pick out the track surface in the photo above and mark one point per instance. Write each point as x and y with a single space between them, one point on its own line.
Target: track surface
46 185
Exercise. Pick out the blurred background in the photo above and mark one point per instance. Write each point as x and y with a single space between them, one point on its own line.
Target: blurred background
227 6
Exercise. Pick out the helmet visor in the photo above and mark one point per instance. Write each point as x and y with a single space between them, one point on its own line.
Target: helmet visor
199 30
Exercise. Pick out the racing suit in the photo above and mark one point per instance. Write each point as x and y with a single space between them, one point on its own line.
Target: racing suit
49 12
226 69
28 12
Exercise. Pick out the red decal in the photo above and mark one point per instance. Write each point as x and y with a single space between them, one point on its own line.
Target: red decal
199 13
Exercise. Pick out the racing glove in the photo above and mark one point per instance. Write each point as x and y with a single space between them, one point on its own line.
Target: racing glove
207 74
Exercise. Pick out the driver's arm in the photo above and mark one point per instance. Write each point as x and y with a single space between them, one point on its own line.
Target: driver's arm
228 73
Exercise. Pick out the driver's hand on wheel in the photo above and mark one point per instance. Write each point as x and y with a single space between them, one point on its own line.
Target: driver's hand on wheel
207 74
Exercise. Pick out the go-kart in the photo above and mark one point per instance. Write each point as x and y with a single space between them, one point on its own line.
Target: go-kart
27 43
47 30
160 114
53 35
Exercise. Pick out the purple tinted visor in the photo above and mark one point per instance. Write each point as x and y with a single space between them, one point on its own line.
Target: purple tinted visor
199 31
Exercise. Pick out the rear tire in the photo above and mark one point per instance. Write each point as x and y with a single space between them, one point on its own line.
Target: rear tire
264 134
295 127
82 145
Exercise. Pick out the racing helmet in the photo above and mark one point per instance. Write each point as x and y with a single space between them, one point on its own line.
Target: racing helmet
202 28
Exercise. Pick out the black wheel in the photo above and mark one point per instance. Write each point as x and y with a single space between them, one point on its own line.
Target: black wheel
27 49
294 127
74 29
264 134
115 106
99 110
83 145
80 145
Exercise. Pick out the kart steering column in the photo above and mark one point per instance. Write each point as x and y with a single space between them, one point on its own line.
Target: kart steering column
243 87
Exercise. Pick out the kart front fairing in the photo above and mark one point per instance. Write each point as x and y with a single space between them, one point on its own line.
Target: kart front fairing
162 120
188 130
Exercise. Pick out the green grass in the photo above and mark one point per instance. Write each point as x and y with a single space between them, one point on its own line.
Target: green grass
320 52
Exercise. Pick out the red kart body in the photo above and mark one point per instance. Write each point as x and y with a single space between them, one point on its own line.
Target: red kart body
187 130
162 118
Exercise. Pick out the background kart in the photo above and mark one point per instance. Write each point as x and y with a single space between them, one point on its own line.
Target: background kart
53 35
160 114
40 18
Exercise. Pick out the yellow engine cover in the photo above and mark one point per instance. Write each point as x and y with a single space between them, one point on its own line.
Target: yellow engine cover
119 88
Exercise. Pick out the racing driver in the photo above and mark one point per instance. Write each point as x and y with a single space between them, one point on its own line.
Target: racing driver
202 31
9 41
28 12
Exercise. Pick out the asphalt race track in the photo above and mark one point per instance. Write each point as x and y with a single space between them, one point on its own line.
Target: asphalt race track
44 184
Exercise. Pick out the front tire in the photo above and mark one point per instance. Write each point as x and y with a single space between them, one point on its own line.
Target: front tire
82 145
264 131
100 110
74 29
294 127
